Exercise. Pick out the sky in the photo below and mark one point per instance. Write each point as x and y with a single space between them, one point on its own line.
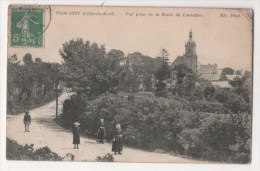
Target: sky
222 36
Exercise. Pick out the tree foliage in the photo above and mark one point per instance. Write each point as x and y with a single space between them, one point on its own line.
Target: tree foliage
209 92
192 128
164 55
228 71
27 59
16 151
162 74
243 86
186 81
139 69
29 84
89 69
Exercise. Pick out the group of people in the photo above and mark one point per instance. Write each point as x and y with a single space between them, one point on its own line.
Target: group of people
117 145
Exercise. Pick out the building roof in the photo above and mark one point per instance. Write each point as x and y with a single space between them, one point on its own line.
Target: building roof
210 77
223 78
179 60
221 84
231 77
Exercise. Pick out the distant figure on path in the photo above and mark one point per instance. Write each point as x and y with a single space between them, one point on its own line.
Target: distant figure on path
117 145
76 135
101 134
27 121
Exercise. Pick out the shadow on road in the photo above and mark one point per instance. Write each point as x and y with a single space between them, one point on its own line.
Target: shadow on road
50 124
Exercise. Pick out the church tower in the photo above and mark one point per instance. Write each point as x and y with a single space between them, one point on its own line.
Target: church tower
190 46
190 56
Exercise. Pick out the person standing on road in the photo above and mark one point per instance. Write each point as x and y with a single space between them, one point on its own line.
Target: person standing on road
101 134
117 145
27 121
76 135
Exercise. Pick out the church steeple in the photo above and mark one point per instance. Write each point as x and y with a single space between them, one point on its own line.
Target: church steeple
190 36
190 46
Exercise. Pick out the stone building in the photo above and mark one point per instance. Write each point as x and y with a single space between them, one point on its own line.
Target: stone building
208 69
189 58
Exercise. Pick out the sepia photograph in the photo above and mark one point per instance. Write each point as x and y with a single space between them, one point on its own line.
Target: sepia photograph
129 84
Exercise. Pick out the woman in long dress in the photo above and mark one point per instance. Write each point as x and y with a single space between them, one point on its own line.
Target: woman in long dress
76 135
101 132
117 146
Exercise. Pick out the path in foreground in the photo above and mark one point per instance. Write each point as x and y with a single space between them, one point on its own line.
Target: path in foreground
45 132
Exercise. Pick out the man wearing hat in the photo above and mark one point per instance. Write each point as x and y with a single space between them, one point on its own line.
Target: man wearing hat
27 121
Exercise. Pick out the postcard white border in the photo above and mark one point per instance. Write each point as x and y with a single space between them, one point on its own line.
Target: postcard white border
68 166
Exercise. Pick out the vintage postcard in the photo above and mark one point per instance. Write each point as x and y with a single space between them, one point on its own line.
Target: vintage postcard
129 84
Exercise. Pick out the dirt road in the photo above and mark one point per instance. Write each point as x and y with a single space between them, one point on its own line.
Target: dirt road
45 132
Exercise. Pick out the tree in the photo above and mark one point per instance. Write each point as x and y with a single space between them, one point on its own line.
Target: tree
118 55
13 81
160 89
228 71
27 59
28 83
219 135
236 104
209 92
238 72
138 70
243 86
38 60
89 69
164 55
162 74
181 72
237 82
186 80
13 59
189 84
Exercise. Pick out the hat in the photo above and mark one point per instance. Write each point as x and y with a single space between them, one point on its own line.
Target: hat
118 125
76 124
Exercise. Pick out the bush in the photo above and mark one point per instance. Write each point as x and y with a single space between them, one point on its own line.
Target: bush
190 140
207 106
143 119
16 151
241 158
209 92
177 125
237 104
160 90
228 137
219 135
107 158
69 157
72 109
44 154
233 102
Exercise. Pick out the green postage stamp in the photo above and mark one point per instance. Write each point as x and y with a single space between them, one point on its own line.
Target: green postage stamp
27 26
